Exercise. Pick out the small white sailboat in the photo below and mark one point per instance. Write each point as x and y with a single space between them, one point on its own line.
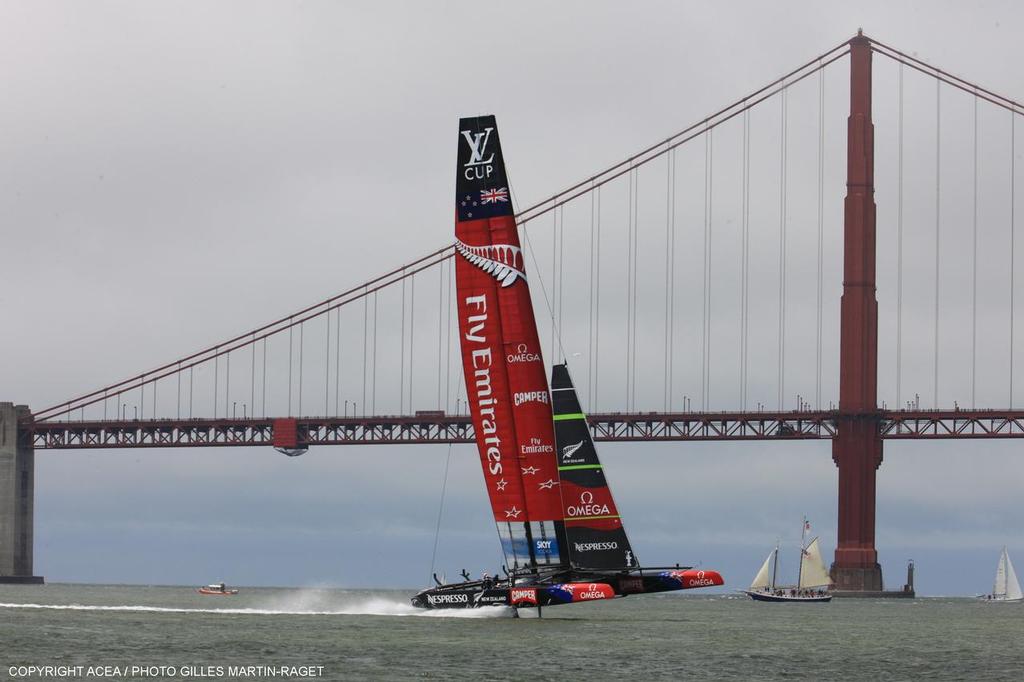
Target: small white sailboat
1006 587
812 583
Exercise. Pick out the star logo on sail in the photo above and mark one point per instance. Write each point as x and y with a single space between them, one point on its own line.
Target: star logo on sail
548 484
528 471
512 513
500 485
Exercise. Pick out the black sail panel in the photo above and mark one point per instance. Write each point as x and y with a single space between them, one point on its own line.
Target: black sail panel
594 532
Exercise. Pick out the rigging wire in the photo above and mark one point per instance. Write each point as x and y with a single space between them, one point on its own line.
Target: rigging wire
783 151
263 392
554 282
440 511
672 284
366 331
710 232
636 285
561 267
543 288
899 245
668 284
974 267
745 264
302 348
448 353
401 355
337 365
291 344
252 382
590 312
412 336
327 365
821 234
704 278
178 398
597 303
629 284
1013 253
440 329
373 398
938 167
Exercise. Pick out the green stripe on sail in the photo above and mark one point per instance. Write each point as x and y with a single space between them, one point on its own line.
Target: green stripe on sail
571 415
579 466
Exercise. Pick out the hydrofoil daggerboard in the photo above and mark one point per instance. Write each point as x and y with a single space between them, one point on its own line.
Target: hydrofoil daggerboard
560 532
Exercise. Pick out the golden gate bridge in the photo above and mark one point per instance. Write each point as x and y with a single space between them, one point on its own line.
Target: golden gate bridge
327 374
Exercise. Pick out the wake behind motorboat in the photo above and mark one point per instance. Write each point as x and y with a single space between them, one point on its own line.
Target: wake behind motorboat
813 580
217 590
560 532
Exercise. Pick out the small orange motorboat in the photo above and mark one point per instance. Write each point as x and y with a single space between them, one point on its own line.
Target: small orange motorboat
218 589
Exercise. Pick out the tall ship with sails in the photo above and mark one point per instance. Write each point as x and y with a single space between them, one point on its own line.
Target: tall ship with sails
561 535
812 584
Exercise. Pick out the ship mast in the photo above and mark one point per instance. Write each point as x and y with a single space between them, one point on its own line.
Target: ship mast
775 566
803 535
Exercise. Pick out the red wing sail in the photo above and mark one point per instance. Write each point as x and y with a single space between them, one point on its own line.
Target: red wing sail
490 264
480 335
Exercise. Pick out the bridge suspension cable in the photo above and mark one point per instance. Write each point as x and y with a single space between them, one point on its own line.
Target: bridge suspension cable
372 288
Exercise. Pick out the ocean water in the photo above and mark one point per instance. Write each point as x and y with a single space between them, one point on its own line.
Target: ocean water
354 635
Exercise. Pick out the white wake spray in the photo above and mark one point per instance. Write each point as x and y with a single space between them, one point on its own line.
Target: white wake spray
298 603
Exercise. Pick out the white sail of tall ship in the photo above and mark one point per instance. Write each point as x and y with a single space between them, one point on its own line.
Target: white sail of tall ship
1005 587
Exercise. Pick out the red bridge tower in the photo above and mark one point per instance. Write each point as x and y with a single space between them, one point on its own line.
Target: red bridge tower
857 450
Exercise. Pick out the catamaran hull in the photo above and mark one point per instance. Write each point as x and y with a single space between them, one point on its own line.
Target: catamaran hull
473 595
762 596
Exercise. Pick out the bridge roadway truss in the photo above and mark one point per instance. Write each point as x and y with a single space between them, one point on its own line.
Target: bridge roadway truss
421 429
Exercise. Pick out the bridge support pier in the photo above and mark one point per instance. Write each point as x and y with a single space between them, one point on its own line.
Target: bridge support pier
857 450
17 497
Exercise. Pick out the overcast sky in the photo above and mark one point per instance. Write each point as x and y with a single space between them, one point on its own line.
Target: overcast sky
172 174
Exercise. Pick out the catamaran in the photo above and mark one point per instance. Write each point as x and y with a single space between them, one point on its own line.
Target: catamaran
812 582
560 532
1006 587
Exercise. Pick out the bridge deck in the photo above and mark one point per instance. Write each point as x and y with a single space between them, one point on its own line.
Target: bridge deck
442 428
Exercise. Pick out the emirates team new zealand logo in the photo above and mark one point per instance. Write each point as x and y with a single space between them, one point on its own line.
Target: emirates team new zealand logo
503 262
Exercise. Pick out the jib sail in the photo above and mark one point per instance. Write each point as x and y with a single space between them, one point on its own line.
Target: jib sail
594 532
504 371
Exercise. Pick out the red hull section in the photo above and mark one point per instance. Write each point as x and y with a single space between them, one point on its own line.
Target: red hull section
694 578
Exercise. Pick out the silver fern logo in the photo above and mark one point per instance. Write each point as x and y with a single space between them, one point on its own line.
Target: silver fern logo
503 262
570 450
